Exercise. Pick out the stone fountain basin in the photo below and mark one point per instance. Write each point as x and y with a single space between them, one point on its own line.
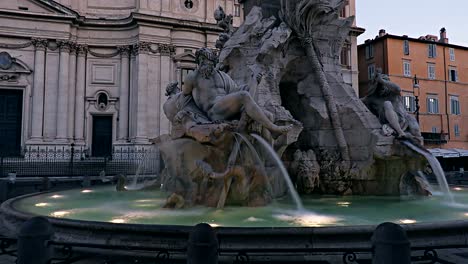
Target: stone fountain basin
428 234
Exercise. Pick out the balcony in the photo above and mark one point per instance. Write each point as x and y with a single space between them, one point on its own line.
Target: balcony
435 138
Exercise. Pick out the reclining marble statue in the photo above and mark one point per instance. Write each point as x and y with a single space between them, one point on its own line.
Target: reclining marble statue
208 110
385 101
217 95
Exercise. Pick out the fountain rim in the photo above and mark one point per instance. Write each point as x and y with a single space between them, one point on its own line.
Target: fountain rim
7 208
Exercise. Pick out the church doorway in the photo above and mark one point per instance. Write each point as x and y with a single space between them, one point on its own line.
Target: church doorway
11 115
102 136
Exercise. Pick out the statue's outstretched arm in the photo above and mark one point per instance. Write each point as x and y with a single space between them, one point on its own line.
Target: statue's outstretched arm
189 83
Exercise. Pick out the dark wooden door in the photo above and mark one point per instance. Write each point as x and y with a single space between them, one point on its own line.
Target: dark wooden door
11 114
102 136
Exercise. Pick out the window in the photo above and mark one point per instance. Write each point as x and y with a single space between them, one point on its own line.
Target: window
183 74
456 130
432 105
431 71
343 12
454 105
434 129
453 75
345 56
432 51
410 103
371 71
369 51
452 54
237 10
407 68
406 47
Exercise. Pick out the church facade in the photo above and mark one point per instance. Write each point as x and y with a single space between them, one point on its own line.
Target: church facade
92 73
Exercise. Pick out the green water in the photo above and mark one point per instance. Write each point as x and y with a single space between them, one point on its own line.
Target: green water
106 205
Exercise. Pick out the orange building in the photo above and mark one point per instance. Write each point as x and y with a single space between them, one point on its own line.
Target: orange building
442 72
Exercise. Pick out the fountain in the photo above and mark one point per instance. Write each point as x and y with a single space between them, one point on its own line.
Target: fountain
266 117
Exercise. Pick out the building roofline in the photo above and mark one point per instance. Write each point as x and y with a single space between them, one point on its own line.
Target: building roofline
390 36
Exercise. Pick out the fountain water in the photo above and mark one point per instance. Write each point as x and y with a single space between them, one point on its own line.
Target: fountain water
436 168
256 156
145 166
429 186
284 172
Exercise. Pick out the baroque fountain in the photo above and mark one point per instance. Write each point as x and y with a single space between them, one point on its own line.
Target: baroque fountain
265 133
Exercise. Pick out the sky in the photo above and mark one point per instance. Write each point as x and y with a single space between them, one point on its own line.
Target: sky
414 18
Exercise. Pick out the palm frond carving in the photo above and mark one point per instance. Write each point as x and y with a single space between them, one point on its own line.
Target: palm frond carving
305 17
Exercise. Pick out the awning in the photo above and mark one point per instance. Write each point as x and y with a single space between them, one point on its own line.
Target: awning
463 152
449 153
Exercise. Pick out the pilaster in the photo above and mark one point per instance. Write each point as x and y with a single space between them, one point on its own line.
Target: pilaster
63 91
38 89
124 94
82 50
71 92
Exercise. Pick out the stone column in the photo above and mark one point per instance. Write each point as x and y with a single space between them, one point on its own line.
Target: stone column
62 102
38 89
71 92
166 51
143 49
124 94
80 94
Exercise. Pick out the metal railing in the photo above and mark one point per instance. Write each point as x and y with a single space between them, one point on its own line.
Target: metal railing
68 253
206 249
70 161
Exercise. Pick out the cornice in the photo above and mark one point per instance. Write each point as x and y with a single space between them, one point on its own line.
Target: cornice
26 14
176 23
357 31
53 5
390 36
135 18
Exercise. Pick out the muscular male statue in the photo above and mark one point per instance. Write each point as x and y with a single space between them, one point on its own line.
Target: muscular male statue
385 101
216 94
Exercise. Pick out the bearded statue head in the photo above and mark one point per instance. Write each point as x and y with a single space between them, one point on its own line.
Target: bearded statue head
206 60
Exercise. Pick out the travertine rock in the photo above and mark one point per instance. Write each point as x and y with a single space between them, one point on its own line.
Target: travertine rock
298 61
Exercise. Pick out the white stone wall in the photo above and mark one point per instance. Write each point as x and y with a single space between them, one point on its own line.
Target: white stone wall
130 54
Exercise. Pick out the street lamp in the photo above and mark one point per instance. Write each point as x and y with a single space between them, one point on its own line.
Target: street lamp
416 96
